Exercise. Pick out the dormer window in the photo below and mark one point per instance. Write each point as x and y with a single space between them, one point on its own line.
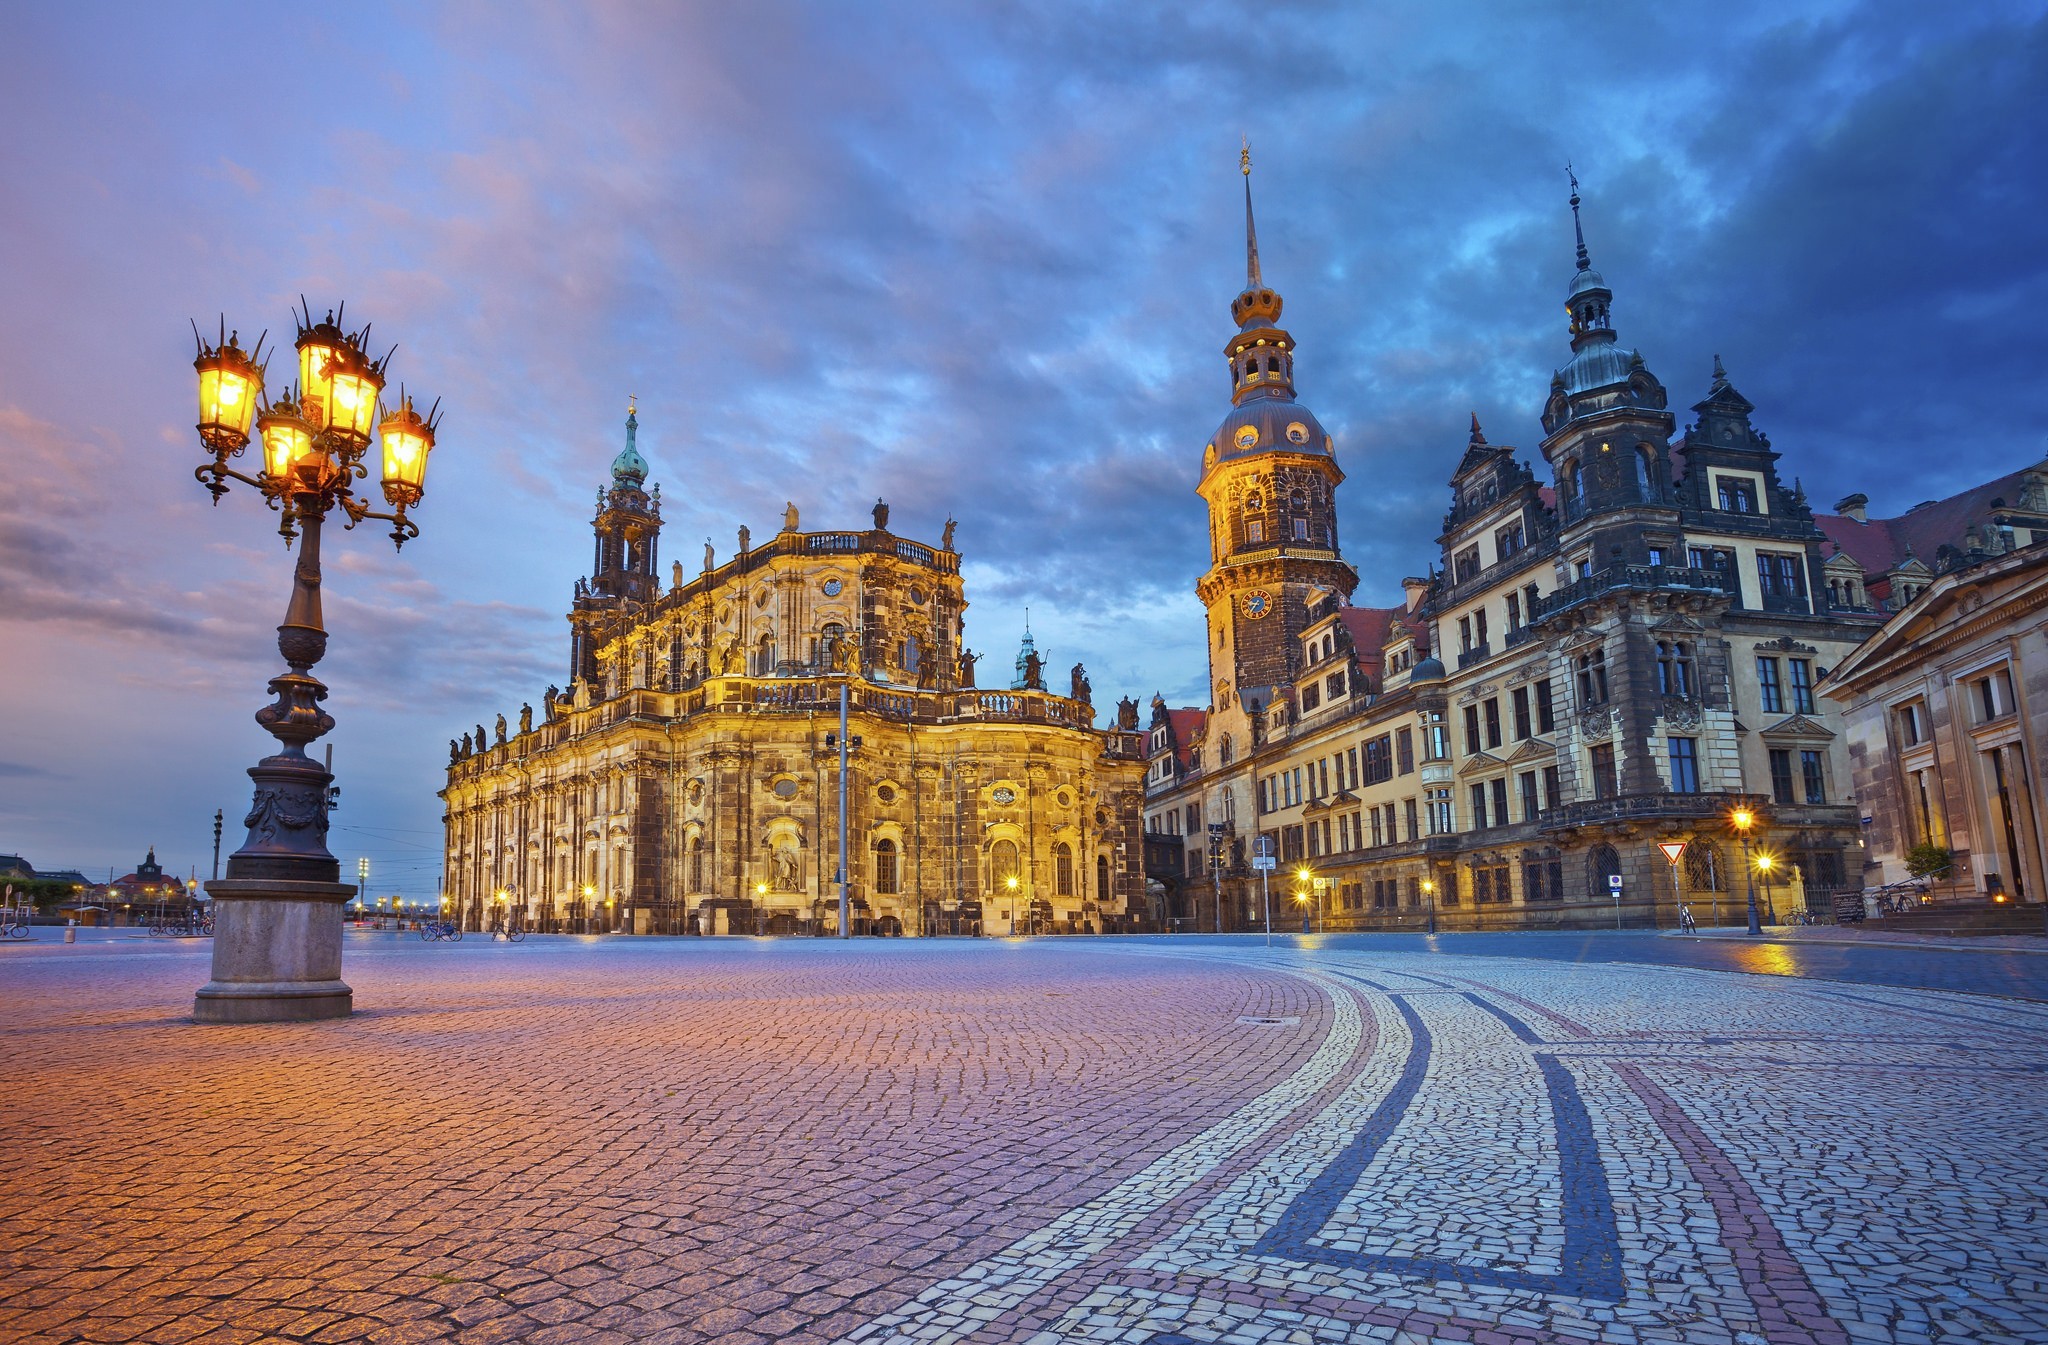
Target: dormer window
1736 494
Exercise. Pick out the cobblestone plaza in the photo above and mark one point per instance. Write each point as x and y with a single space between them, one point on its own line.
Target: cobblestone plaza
1166 1140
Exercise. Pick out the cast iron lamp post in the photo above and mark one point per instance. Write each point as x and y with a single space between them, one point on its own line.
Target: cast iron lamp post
1429 889
1743 820
277 942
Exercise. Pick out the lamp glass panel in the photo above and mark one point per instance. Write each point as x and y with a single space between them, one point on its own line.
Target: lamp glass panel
354 408
227 396
319 361
285 442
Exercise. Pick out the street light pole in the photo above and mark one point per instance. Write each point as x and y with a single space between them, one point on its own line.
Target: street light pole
277 950
1429 890
845 922
1743 820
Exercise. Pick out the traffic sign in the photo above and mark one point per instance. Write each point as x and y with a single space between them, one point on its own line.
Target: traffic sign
1672 850
1264 862
1614 882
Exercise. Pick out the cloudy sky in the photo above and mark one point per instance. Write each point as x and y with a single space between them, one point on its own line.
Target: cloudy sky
976 259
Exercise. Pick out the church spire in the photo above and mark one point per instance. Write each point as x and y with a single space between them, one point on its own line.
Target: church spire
1578 230
1589 296
1251 231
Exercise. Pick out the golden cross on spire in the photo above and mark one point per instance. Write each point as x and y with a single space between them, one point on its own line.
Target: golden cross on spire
632 403
1244 160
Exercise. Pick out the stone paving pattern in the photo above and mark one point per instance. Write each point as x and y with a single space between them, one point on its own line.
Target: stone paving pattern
1056 1140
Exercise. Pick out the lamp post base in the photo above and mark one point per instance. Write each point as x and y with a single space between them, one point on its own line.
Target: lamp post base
276 953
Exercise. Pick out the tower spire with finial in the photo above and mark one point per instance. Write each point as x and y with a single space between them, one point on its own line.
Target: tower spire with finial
1578 231
1251 232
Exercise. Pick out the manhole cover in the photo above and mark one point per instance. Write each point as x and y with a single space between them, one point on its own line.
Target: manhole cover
1257 1020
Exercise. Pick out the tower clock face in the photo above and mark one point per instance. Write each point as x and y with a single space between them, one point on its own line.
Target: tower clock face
1257 603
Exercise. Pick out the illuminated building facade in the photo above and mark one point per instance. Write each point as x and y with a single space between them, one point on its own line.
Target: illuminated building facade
687 780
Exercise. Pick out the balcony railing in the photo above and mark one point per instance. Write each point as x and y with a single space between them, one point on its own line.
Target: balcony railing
1648 807
1632 576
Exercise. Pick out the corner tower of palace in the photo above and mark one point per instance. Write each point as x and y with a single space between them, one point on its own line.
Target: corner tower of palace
1269 477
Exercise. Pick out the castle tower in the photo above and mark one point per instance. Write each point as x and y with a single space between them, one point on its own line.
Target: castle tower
1269 477
1607 434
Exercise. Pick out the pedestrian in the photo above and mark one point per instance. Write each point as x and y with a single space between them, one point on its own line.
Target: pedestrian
1686 924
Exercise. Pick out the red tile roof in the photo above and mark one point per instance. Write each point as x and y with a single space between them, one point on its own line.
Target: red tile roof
1368 627
1187 726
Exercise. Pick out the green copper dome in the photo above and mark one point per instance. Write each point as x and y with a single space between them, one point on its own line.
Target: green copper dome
629 468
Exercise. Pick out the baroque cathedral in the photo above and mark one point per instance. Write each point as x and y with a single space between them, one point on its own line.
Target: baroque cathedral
688 779
1602 670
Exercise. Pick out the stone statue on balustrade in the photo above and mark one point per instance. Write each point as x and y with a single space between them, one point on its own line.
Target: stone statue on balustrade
967 661
526 718
1034 672
1081 690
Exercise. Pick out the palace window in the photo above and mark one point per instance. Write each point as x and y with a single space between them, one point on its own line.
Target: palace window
1778 575
1530 807
1769 689
1674 668
1471 730
1542 879
1685 766
1404 750
1520 701
1592 668
1507 541
1492 708
1781 775
1737 495
1802 685
1912 724
1442 817
1604 783
1813 775
1546 709
1254 532
1479 821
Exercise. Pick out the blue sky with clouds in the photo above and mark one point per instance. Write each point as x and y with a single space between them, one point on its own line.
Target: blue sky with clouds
974 259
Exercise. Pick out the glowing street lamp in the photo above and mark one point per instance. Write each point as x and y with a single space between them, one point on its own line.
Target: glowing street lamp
1743 821
1429 890
278 957
1012 884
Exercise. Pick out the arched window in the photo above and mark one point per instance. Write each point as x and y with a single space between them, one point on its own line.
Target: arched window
1225 751
1062 869
1102 877
1003 864
1643 471
1602 863
1568 481
885 867
764 656
696 863
829 636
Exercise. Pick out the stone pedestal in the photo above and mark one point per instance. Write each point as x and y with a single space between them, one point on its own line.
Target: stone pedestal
276 952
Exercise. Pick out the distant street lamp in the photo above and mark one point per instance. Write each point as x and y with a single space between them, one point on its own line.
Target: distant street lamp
1766 862
1303 879
1743 821
278 954
1429 890
1011 884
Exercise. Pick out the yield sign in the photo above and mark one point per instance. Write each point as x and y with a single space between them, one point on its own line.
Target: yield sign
1672 850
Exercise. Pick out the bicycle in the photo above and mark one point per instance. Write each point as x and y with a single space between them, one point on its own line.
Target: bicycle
511 932
13 923
434 931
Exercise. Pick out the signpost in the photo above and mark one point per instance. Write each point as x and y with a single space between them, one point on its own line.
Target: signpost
1216 844
1614 886
1264 863
1672 851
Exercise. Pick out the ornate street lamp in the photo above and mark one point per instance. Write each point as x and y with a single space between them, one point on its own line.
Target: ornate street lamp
1744 821
1429 889
277 950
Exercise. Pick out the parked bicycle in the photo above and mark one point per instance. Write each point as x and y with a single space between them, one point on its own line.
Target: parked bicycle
511 931
14 922
433 931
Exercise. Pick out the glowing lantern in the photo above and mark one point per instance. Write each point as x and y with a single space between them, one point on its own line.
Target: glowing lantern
230 382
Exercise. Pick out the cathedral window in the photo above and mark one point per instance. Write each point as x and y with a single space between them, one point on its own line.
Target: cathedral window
1102 877
1062 869
1003 865
696 863
885 867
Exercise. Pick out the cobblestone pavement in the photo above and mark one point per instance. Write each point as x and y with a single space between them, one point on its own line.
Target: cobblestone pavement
1060 1140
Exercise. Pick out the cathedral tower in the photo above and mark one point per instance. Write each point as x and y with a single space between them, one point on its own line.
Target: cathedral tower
1269 477
628 529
